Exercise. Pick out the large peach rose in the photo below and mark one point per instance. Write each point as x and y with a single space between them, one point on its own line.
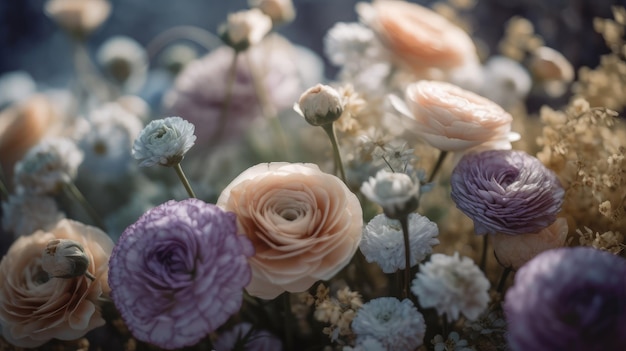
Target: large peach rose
514 251
305 224
454 119
418 37
35 308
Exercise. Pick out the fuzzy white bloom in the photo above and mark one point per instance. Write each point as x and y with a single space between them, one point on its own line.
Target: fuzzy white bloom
280 11
125 61
108 141
347 43
505 82
245 28
24 214
320 105
396 193
383 241
452 343
164 142
47 166
396 324
453 286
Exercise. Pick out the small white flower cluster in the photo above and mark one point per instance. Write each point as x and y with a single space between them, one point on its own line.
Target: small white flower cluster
383 241
395 324
453 286
396 193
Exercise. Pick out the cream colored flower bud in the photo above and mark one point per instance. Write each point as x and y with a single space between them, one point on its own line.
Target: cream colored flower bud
78 17
245 28
320 105
280 11
548 64
63 258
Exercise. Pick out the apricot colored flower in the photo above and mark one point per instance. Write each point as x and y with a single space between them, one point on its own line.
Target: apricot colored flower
454 119
305 224
34 307
515 250
418 37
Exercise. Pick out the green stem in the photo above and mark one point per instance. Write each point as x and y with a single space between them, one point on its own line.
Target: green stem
503 277
78 196
288 329
230 82
442 157
404 222
483 256
330 130
183 179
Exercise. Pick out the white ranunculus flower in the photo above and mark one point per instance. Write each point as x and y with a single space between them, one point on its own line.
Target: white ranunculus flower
48 165
396 193
164 142
245 28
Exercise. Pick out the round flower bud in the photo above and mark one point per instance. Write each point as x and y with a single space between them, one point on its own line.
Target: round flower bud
245 28
78 17
64 258
396 193
320 105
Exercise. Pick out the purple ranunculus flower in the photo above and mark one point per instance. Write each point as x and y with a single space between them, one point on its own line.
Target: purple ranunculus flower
178 273
568 299
506 191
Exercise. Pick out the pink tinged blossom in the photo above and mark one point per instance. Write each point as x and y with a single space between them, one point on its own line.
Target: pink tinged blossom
454 119
178 273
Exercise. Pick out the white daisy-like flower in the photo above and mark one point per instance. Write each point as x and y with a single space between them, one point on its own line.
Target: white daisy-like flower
396 193
383 241
164 142
23 214
47 166
125 61
347 43
396 324
453 286
108 141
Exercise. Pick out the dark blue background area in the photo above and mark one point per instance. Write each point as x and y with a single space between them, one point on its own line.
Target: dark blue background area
30 41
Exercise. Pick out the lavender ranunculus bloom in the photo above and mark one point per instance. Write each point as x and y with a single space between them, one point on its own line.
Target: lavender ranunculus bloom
506 191
178 273
568 299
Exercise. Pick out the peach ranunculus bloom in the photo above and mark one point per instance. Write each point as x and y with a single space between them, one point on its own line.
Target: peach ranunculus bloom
514 251
454 119
305 224
35 308
417 37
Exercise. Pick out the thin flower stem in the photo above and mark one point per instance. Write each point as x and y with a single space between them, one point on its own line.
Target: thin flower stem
483 256
71 188
442 157
404 222
4 190
228 95
183 179
287 311
330 130
268 110
503 277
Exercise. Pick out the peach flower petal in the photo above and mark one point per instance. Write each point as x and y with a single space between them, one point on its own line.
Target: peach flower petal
305 225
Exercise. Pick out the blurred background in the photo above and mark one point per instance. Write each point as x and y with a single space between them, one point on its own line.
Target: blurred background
31 42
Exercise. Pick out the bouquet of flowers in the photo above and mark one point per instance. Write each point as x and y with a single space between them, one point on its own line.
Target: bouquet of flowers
240 200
